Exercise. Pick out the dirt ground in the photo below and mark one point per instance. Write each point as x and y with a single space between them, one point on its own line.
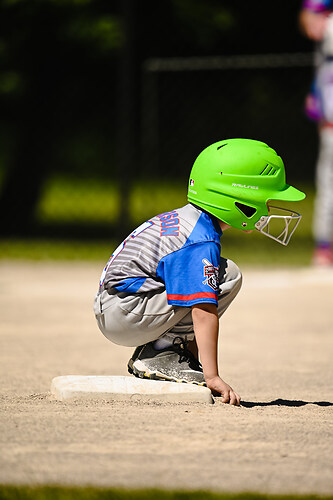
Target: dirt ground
276 351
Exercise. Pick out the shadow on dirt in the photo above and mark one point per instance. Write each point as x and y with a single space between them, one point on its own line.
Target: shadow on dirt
285 402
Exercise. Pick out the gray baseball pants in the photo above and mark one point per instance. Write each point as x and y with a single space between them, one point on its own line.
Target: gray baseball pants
133 320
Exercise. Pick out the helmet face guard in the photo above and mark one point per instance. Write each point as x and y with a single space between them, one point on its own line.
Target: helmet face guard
279 226
235 179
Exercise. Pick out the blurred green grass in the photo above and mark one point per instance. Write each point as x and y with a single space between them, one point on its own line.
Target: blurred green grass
89 493
85 202
67 199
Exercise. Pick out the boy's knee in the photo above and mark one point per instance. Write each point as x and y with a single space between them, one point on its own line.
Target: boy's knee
230 284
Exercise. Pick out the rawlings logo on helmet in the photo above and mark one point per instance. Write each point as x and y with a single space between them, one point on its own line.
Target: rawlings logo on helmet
244 186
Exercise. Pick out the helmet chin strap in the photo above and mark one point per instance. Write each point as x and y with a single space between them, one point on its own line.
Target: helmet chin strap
290 219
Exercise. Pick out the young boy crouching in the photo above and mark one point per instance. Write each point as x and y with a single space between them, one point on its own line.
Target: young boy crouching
166 286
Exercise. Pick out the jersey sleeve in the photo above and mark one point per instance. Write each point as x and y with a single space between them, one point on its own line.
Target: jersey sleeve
191 274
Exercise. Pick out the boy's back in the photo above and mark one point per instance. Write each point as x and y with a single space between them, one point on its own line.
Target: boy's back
178 250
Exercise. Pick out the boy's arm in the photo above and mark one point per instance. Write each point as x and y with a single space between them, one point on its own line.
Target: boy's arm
206 330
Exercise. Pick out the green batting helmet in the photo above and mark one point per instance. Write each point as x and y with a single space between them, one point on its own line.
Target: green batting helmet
234 179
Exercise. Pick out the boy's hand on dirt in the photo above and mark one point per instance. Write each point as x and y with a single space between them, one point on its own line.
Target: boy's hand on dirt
217 385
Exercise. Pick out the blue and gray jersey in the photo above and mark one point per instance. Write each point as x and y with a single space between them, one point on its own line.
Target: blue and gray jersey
178 251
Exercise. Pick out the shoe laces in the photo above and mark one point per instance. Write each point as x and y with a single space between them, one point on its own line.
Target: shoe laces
180 345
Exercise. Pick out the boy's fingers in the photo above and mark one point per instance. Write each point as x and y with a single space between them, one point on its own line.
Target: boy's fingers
225 397
238 399
234 398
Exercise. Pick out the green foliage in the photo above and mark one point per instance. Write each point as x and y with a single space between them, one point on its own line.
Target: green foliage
67 199
10 82
204 21
151 198
102 33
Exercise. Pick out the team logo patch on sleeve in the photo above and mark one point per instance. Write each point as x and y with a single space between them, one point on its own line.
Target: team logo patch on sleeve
211 274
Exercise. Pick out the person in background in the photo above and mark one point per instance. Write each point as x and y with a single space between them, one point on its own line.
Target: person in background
316 22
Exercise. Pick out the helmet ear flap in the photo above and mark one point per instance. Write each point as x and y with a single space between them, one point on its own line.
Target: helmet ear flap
246 209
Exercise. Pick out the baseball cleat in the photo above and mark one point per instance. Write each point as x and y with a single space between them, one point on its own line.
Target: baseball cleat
173 364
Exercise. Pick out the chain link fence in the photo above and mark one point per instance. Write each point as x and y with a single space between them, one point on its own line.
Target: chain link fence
187 104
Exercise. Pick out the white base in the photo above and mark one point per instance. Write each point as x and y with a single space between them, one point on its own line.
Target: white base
126 388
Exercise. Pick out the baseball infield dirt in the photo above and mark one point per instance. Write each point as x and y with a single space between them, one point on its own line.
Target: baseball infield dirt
275 350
